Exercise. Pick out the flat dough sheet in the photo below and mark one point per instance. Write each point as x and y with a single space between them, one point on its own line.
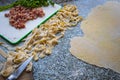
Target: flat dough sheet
101 44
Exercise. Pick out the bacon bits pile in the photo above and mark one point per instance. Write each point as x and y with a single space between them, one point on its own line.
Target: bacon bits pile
19 15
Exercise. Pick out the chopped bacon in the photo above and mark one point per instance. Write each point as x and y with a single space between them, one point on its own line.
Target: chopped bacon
19 15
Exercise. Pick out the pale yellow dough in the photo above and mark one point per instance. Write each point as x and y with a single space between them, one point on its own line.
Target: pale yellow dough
100 44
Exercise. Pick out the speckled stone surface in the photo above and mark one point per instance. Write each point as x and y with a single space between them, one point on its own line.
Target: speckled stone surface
61 65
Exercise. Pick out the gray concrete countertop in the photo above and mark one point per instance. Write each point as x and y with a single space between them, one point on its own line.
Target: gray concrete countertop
61 65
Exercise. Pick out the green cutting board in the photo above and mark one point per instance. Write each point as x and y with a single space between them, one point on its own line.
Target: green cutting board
14 35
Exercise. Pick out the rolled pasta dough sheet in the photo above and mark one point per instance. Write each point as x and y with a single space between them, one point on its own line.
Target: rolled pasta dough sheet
101 44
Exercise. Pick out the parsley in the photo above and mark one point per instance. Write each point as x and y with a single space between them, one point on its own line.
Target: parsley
28 3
